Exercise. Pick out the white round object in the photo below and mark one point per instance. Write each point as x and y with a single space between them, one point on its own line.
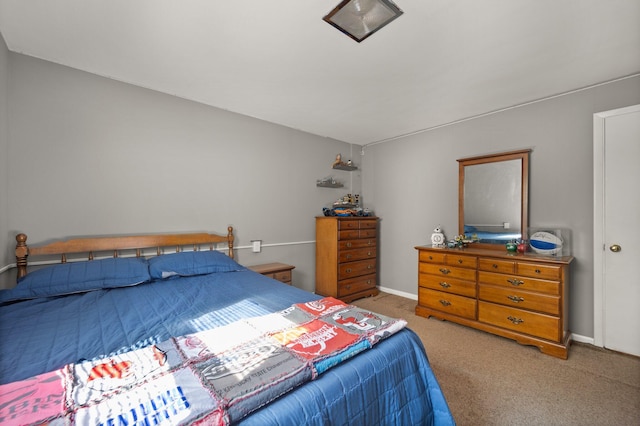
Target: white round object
437 238
544 242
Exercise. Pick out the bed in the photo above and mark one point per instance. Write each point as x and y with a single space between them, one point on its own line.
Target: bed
168 329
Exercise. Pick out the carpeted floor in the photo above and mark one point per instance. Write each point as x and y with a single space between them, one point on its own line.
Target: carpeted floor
490 380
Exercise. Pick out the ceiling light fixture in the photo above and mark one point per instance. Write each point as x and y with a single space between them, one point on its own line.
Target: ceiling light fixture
360 18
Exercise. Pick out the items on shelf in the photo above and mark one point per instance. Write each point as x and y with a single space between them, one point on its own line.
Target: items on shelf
341 165
348 205
329 182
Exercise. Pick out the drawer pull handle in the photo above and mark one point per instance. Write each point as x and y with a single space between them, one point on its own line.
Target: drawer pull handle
348 287
444 270
445 302
368 253
538 271
430 257
460 261
514 320
445 284
516 299
369 243
348 256
494 266
348 244
515 281
369 266
348 271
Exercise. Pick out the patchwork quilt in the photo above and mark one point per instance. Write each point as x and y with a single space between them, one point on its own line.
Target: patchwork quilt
213 377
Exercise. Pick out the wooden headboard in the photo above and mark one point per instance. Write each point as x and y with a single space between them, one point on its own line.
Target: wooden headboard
116 244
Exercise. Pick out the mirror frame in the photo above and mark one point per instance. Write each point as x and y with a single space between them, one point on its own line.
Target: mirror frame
523 156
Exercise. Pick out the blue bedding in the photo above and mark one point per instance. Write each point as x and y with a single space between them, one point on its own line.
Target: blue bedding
389 384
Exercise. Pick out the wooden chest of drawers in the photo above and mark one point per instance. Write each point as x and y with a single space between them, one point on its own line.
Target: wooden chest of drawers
346 257
522 297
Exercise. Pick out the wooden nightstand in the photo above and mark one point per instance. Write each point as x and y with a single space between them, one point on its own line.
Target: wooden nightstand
277 271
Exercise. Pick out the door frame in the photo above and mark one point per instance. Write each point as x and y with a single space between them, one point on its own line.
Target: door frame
598 218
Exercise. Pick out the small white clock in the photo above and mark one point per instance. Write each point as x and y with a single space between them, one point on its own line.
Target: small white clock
437 238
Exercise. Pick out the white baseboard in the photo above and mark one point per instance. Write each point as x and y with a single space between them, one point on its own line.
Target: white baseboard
398 293
582 339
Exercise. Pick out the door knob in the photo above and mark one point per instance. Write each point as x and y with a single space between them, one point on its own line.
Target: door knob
615 248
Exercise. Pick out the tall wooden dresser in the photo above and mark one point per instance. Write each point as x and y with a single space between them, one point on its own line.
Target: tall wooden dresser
520 296
346 257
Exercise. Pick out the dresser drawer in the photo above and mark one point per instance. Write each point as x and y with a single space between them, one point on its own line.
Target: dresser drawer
448 271
496 265
349 234
536 270
354 285
354 244
448 285
461 261
282 276
367 233
447 302
520 282
357 224
521 299
368 224
353 234
348 224
357 254
534 324
355 269
430 257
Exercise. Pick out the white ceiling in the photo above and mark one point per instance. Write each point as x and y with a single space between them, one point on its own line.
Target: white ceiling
277 60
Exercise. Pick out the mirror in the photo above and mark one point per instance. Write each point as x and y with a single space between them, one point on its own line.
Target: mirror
493 198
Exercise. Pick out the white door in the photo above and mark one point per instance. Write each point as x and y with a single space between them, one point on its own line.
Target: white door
617 229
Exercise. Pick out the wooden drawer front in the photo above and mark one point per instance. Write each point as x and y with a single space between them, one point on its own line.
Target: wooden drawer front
367 233
520 282
368 224
431 257
462 261
357 254
520 299
536 270
354 244
495 265
351 234
355 269
448 271
354 285
534 324
283 276
448 285
347 224
447 302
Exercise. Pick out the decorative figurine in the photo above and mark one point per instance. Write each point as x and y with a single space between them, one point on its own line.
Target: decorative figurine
437 238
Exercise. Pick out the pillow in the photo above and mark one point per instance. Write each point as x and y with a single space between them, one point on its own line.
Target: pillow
188 263
79 277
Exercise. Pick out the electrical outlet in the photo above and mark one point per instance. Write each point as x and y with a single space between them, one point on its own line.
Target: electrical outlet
256 246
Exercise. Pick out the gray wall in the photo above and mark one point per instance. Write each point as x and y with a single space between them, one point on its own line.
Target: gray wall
90 155
412 183
4 152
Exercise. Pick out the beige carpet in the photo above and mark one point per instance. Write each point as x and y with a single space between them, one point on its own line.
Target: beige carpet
490 380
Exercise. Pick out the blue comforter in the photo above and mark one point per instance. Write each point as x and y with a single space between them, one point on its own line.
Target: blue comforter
389 384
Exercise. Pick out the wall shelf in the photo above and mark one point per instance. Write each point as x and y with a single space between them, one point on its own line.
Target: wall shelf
345 167
329 185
